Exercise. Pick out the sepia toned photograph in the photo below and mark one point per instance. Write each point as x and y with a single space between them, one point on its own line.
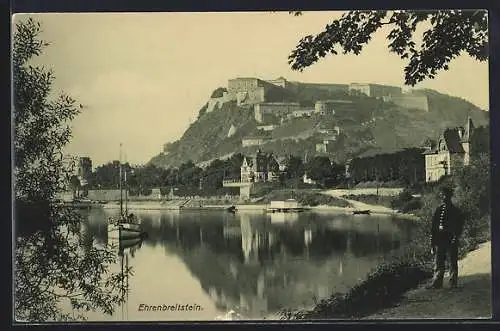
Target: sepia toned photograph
235 166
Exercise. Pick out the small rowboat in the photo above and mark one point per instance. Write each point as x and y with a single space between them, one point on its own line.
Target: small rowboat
231 209
361 212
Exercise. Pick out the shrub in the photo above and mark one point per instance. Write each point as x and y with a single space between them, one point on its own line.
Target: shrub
412 205
218 93
401 199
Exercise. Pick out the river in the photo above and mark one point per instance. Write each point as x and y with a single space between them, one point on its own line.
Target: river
249 262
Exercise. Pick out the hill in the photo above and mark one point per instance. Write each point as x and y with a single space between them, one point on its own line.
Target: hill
365 124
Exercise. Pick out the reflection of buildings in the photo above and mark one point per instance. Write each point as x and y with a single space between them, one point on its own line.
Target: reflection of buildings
251 240
255 267
284 217
256 304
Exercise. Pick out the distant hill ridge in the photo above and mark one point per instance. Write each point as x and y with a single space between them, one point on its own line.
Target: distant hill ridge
297 120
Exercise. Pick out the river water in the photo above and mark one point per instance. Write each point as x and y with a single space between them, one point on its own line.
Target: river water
252 263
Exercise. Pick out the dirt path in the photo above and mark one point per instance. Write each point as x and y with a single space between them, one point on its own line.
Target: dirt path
472 298
358 205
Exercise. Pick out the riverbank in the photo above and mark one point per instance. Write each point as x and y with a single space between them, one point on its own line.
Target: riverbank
375 210
472 298
396 290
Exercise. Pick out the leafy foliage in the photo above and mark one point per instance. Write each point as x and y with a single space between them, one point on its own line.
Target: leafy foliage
407 166
218 92
51 264
322 169
451 32
41 124
294 167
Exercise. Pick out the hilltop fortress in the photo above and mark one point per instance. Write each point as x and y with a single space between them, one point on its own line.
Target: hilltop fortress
275 101
268 95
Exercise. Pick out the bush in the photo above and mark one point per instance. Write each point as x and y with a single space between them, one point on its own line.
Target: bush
218 93
412 205
401 199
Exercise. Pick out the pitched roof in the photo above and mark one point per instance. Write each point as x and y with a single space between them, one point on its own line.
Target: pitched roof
452 140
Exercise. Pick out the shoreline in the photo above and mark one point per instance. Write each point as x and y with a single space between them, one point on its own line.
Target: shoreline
375 209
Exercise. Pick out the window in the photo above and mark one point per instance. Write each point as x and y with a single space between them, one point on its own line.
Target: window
442 145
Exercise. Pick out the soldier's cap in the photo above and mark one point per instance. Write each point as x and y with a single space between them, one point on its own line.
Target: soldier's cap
447 191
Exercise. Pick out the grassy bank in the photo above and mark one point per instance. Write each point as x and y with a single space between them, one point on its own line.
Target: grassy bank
305 197
383 286
371 199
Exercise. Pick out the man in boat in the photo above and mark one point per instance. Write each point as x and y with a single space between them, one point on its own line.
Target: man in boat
446 227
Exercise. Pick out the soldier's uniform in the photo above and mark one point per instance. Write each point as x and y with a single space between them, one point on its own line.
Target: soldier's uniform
447 226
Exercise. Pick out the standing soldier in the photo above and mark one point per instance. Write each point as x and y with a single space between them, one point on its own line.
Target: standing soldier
447 226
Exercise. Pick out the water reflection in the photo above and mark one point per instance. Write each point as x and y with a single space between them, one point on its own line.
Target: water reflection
253 263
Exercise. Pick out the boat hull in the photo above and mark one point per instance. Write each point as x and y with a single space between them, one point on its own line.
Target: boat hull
123 232
287 210
361 212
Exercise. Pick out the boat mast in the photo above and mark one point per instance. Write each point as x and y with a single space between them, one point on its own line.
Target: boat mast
126 193
121 192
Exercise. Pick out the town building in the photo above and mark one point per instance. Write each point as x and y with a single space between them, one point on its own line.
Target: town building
250 90
334 131
85 167
254 141
156 193
261 167
280 81
266 127
374 90
307 180
305 112
326 146
452 151
276 109
324 107
84 173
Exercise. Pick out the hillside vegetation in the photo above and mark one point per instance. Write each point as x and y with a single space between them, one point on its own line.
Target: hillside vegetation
367 125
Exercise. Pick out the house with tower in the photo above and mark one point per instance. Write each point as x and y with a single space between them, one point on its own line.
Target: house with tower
451 152
261 167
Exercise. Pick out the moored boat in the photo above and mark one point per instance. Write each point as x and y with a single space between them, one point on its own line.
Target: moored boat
361 212
285 206
126 226
124 231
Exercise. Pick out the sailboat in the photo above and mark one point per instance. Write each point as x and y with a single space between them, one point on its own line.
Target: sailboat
125 226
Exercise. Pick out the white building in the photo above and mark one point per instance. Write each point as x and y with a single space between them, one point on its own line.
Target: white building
451 152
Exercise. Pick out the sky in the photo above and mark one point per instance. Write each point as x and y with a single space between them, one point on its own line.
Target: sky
143 77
